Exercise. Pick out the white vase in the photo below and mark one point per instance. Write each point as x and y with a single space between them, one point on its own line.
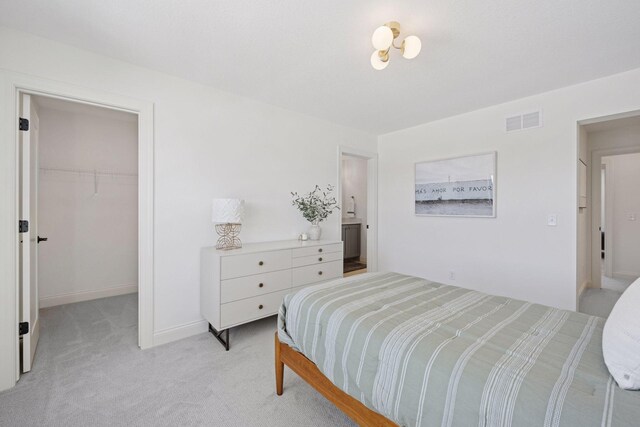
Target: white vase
315 231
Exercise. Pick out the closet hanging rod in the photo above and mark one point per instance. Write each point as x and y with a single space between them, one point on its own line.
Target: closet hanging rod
91 172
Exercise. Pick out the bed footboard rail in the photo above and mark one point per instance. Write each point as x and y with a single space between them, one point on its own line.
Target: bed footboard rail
308 371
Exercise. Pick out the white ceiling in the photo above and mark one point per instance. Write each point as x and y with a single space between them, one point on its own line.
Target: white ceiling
313 56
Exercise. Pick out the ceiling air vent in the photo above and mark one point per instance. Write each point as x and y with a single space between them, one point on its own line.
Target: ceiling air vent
523 121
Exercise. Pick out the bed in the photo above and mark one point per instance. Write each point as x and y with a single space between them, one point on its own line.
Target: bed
390 349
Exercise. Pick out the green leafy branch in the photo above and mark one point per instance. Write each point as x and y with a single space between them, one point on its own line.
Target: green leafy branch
316 205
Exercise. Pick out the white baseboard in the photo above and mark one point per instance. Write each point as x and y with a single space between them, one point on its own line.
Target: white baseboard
179 332
80 296
625 275
582 288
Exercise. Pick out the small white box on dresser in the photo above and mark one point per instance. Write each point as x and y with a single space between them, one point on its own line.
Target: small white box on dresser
242 285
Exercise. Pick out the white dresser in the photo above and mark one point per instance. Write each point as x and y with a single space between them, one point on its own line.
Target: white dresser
243 285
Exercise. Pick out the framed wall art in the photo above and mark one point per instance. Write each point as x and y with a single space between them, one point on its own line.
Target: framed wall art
460 186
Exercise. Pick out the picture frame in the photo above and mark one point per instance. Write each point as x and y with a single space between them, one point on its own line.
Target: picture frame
463 186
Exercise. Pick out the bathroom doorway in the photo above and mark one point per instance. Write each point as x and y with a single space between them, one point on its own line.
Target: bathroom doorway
354 213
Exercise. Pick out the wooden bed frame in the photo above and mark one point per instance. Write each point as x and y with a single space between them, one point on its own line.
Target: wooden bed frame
309 372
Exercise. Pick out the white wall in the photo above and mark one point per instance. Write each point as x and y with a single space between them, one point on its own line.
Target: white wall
515 254
623 176
92 250
208 143
354 183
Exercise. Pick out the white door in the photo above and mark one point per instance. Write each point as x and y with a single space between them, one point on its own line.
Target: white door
29 169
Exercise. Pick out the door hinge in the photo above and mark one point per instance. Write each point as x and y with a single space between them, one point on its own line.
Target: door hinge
367 226
23 328
23 226
23 124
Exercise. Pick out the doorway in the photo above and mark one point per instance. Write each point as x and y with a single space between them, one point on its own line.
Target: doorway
620 206
608 227
15 86
79 194
357 194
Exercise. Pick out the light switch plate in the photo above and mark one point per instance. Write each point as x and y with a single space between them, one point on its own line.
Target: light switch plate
552 220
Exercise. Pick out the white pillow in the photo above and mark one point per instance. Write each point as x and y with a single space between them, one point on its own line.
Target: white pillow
621 339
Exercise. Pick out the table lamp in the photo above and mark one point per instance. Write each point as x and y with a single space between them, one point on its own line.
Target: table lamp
227 215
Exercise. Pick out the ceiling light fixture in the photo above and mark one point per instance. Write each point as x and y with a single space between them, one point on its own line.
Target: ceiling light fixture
383 40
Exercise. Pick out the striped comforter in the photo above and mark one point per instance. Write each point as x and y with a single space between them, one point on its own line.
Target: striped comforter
427 354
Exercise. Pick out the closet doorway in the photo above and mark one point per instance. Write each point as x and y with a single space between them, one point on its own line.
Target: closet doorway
357 193
79 194
19 303
87 202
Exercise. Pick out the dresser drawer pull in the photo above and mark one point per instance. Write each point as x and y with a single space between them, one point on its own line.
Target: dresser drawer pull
261 285
320 250
319 273
261 263
260 307
320 259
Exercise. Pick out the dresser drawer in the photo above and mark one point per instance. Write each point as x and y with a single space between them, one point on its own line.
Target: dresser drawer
316 273
315 250
317 259
248 264
246 310
257 284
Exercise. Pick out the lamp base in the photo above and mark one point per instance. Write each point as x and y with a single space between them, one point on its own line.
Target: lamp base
228 236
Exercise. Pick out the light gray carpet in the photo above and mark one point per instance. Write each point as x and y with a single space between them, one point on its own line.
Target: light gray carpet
88 370
600 302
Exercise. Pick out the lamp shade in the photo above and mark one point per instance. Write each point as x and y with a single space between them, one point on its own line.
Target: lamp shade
411 47
377 62
227 211
382 38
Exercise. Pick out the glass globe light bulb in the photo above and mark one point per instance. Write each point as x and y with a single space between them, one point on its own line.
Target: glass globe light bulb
382 38
378 63
411 47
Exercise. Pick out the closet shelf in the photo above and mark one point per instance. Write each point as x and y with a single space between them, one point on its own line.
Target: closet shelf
91 172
